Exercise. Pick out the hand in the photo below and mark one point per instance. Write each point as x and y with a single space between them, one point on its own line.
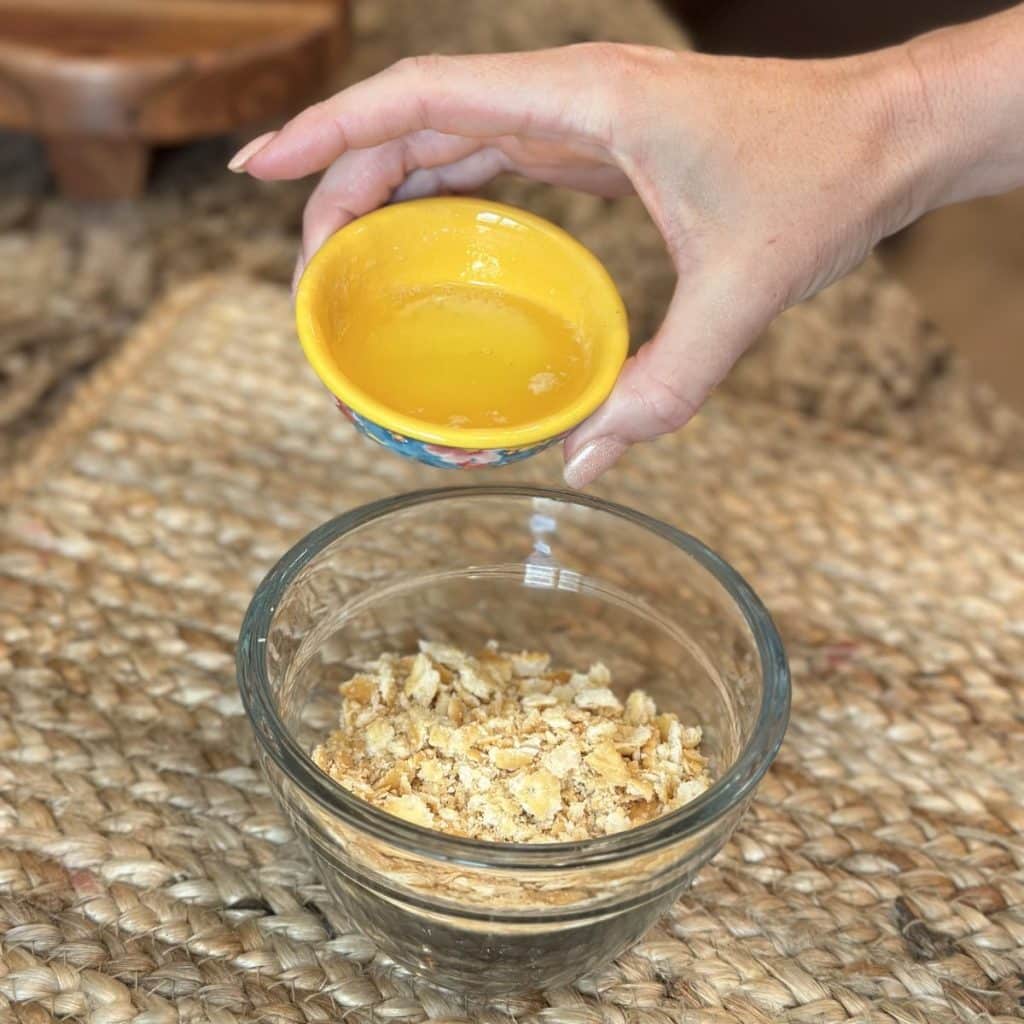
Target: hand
768 179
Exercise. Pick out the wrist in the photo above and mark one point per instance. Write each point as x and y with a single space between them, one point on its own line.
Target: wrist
905 159
962 102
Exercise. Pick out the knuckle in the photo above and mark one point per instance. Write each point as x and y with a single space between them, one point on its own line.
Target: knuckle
602 85
425 65
603 63
598 51
620 77
641 70
664 406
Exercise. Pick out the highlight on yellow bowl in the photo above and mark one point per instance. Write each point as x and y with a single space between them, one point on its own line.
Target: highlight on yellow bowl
461 332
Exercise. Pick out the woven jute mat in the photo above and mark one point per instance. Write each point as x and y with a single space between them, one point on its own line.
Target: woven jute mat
145 874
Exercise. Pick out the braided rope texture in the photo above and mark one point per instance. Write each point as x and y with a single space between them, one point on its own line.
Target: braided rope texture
145 874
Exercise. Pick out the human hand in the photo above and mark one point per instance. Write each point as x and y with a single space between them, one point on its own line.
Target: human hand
768 179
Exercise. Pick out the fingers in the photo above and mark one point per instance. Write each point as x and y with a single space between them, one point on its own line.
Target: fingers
660 388
480 96
354 184
364 179
466 175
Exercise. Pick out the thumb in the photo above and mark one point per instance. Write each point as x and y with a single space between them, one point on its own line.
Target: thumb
706 329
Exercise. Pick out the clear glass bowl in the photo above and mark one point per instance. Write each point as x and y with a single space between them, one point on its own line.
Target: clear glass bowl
545 570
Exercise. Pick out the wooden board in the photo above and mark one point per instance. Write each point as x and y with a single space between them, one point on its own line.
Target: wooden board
110 78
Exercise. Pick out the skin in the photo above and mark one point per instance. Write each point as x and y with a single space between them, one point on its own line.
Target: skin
768 179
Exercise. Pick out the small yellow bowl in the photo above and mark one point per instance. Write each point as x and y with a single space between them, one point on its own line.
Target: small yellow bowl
437 257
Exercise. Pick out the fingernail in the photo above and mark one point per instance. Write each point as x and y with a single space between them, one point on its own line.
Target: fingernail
593 459
300 265
248 151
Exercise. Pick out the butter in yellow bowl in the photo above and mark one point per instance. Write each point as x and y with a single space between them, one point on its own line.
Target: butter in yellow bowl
461 332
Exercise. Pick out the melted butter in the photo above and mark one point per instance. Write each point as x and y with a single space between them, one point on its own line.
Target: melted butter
464 356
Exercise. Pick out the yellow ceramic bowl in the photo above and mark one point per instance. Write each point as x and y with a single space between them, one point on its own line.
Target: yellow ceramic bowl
461 332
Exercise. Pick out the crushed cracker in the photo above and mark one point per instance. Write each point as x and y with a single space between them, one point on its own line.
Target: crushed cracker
502 747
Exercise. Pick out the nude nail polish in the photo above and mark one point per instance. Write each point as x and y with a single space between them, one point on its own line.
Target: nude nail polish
593 459
248 151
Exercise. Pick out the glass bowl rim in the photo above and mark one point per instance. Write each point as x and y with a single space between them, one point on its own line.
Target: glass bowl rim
726 793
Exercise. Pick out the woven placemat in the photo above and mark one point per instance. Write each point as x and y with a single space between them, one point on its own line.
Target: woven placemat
145 874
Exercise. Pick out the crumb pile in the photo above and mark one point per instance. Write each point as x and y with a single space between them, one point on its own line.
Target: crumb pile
503 747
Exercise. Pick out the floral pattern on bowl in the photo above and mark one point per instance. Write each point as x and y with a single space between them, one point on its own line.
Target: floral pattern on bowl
439 456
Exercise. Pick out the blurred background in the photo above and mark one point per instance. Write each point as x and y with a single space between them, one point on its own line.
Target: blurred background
118 116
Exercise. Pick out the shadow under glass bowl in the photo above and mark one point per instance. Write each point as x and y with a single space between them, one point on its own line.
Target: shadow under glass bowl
544 570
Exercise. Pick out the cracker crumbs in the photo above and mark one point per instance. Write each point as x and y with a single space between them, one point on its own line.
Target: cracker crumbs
502 747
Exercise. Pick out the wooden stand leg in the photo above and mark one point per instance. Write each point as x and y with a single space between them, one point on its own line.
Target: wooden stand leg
91 168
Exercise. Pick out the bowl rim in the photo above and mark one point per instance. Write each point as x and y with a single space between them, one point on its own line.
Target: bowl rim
608 362
725 794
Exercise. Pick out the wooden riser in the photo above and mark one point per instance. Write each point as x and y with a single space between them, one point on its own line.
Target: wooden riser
103 80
